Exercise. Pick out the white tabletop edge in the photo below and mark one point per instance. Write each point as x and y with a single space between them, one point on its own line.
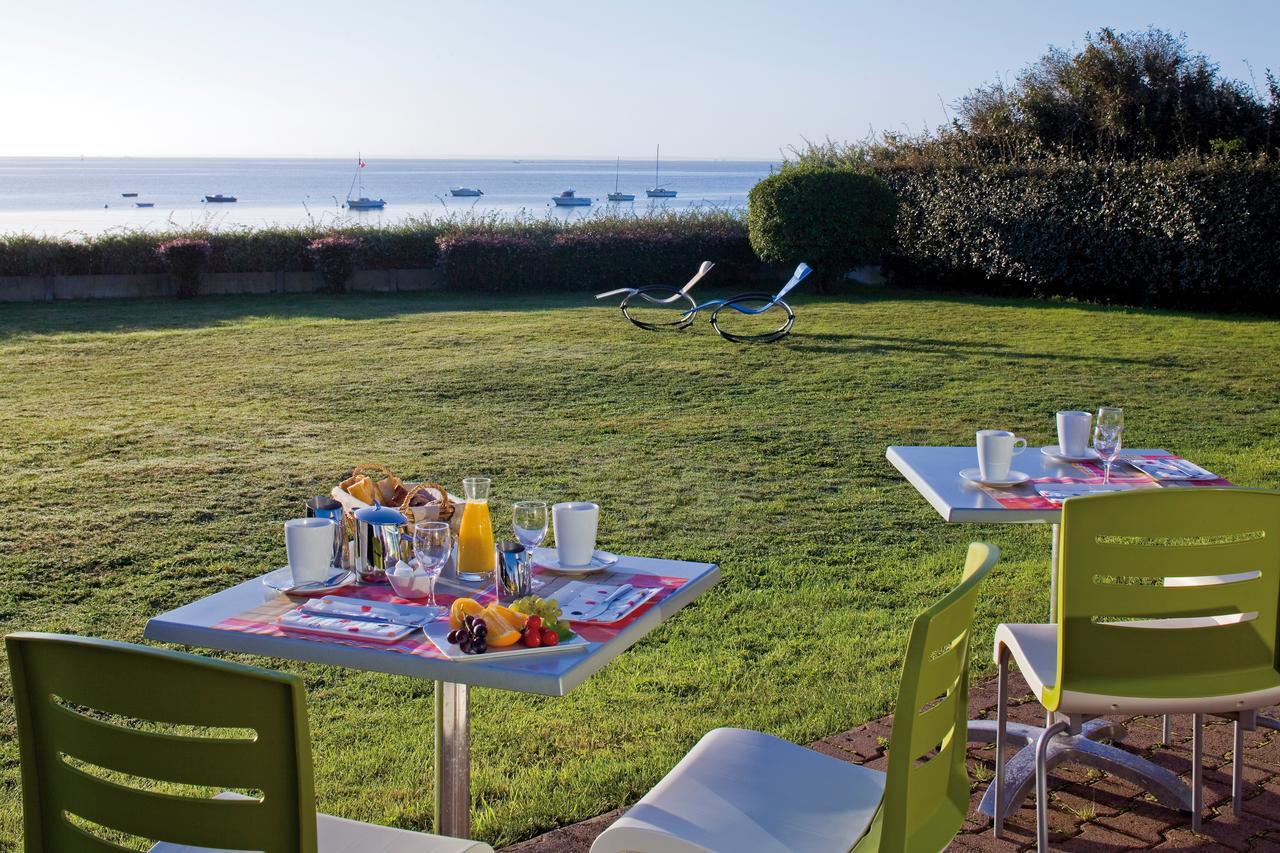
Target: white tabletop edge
991 513
554 674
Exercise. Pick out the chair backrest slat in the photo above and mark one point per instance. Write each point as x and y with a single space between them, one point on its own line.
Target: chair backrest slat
225 762
206 822
1123 561
927 789
104 735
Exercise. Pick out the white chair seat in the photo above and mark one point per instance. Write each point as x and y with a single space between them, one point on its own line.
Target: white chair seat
740 790
339 835
1035 649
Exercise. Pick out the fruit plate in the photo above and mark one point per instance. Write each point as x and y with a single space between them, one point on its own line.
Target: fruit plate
438 632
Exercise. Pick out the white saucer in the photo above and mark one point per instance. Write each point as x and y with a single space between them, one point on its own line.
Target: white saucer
549 558
1015 478
282 580
1055 454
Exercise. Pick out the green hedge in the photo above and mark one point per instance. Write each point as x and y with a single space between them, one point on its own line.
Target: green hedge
1168 233
482 254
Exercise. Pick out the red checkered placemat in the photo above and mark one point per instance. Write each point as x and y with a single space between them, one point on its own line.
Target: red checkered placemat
1091 473
260 620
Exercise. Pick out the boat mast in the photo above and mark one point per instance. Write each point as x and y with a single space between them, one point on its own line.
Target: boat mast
616 170
353 178
656 185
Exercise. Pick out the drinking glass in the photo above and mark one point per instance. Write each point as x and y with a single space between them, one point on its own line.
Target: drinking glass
432 545
529 521
1108 432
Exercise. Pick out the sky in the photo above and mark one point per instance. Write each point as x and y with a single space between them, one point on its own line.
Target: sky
535 78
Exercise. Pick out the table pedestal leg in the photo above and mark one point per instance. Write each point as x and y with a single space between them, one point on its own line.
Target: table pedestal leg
453 760
1020 770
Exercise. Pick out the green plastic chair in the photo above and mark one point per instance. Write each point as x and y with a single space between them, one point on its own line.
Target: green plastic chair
740 790
85 706
1129 639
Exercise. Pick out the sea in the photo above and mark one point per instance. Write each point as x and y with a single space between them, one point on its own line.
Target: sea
59 196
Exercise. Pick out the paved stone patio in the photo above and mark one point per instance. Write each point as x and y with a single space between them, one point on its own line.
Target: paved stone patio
1088 810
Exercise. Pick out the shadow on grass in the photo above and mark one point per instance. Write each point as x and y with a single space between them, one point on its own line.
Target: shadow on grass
879 344
147 315
142 315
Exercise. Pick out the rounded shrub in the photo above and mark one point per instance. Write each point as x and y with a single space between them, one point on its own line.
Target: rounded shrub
832 219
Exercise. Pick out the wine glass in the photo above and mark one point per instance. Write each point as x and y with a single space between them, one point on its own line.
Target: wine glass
1108 432
529 522
432 545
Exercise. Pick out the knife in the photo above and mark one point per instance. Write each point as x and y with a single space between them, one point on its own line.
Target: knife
600 609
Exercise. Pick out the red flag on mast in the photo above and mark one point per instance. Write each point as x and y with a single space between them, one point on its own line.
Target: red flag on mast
362 164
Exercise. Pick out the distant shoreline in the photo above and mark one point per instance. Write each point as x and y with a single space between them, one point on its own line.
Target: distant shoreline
401 158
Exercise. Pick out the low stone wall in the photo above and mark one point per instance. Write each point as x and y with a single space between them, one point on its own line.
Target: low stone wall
58 287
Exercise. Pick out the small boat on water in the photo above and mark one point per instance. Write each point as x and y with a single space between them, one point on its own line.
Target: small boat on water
465 192
145 203
568 199
219 197
615 195
128 195
363 202
658 191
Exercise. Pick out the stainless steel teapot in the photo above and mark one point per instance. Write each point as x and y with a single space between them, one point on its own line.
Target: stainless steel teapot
381 539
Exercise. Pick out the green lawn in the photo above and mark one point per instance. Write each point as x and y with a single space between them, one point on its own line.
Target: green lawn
151 450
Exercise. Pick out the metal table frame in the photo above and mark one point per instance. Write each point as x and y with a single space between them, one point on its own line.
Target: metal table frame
550 675
934 472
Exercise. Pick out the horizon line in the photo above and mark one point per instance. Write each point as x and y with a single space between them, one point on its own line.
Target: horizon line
511 157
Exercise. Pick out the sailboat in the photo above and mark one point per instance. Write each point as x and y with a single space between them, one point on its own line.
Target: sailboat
615 195
658 191
363 202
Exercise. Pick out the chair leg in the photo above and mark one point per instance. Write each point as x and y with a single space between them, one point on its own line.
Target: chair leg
1002 722
1042 783
1197 770
1237 768
1166 736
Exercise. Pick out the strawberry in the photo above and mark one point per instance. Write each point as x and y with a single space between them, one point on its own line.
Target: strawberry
532 639
533 623
549 637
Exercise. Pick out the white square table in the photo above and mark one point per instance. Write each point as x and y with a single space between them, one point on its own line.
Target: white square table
935 473
550 674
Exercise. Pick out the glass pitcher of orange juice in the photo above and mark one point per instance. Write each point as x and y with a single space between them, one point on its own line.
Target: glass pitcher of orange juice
475 533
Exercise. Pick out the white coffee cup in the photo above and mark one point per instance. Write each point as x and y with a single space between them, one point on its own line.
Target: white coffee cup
311 546
1073 433
574 524
996 449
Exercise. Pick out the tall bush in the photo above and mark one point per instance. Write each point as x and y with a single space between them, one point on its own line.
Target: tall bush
833 219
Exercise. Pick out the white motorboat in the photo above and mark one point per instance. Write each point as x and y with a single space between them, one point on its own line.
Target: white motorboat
465 192
363 202
616 195
568 199
658 191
